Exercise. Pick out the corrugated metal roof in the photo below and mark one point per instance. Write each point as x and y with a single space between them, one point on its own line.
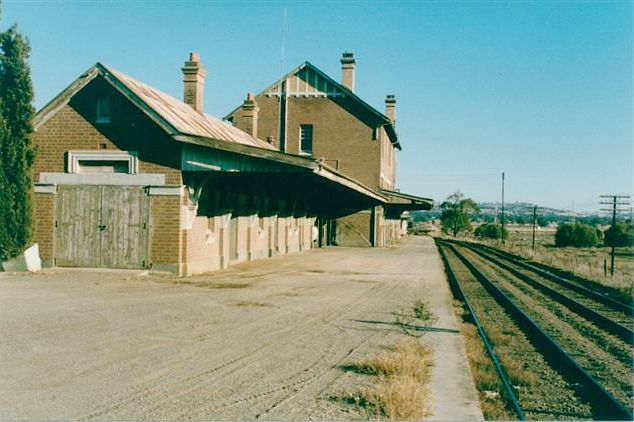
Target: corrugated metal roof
183 117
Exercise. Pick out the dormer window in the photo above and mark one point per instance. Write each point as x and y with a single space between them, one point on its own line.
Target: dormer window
306 139
103 110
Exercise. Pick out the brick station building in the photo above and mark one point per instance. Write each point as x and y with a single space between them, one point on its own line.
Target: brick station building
127 176
308 113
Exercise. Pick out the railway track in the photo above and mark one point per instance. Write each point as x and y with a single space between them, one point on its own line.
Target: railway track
562 351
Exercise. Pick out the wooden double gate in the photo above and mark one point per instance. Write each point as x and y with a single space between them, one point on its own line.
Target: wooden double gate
101 226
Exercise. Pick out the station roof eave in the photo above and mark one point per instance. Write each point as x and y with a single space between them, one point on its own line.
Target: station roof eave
398 201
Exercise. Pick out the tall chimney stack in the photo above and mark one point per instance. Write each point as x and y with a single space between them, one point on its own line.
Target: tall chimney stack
194 82
390 108
246 118
347 70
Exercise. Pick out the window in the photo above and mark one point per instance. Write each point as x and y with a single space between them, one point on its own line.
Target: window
100 161
306 139
375 133
103 166
103 110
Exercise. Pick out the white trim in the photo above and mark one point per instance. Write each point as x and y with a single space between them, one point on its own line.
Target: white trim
44 188
74 157
143 179
165 190
204 165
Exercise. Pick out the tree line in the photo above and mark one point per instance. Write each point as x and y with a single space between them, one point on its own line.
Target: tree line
457 213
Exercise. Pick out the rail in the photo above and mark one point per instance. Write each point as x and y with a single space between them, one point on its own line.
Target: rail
601 321
508 389
614 304
606 406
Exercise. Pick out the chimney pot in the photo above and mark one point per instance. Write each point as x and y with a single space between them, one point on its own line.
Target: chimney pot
347 70
194 82
390 108
246 118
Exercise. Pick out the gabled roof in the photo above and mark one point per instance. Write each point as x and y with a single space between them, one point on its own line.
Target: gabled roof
186 125
325 85
174 116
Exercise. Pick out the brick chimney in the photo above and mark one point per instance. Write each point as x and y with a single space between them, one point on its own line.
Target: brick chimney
246 118
347 70
194 82
390 108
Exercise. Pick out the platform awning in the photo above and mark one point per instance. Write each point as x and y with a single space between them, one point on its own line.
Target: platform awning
398 202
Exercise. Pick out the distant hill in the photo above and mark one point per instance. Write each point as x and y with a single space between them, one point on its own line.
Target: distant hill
520 213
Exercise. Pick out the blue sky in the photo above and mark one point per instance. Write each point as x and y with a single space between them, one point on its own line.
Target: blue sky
541 90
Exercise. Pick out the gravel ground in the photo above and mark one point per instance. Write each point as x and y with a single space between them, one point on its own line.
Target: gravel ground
267 339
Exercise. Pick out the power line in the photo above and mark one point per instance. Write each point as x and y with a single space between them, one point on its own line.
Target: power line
617 203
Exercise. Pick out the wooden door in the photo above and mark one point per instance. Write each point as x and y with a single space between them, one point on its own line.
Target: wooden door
101 226
124 217
77 232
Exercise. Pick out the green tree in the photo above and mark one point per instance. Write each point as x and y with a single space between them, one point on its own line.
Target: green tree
578 235
621 235
16 151
490 231
455 213
542 221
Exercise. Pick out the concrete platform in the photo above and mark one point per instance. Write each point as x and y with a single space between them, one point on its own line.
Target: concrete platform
454 393
270 339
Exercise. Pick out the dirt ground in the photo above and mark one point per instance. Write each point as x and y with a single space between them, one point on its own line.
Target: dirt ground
268 339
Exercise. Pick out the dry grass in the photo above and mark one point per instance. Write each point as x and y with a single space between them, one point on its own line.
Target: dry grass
401 388
485 376
583 262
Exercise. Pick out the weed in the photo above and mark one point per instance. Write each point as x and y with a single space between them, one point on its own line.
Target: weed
420 311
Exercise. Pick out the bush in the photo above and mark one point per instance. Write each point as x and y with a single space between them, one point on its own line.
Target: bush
620 235
490 231
577 235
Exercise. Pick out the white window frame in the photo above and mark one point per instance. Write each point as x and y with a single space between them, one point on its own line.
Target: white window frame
312 139
75 157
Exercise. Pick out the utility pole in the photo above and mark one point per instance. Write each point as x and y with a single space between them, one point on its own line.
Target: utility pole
616 202
534 222
503 237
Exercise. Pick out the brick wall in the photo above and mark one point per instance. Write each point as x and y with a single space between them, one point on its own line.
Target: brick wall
166 243
337 135
71 128
203 245
44 214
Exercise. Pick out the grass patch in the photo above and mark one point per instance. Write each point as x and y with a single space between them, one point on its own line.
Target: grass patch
486 378
487 381
402 377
